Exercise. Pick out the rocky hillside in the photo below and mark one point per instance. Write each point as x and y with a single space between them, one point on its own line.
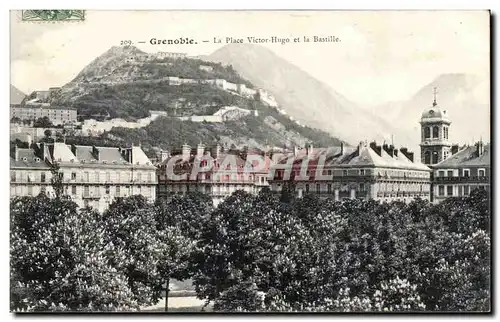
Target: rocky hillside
304 97
464 97
127 83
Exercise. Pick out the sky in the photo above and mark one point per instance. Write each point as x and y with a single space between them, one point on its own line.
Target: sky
382 55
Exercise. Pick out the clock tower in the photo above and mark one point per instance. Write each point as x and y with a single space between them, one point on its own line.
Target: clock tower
434 143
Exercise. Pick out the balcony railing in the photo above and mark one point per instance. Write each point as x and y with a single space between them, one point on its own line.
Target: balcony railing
462 179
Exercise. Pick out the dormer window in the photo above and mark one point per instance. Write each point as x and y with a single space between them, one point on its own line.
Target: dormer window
114 162
25 159
37 159
72 160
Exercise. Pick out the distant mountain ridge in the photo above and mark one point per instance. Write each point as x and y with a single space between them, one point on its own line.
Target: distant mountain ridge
16 95
465 97
127 83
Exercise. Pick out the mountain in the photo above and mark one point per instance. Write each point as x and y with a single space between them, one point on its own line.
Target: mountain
127 83
16 96
304 97
465 97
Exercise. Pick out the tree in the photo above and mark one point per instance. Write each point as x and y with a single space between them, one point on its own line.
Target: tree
130 225
43 122
15 119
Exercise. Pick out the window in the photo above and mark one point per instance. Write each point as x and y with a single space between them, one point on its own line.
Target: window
481 173
86 190
42 177
441 190
30 177
97 176
30 190
107 190
13 176
435 132
449 190
307 187
139 177
450 173
329 188
73 175
73 190
42 190
344 172
329 172
435 157
466 173
362 172
427 132
118 191
108 177
361 187
86 176
427 157
441 173
318 187
466 190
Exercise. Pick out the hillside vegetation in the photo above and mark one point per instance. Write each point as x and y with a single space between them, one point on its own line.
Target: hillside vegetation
119 84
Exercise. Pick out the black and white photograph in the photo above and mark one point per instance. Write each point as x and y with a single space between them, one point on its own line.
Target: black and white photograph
250 161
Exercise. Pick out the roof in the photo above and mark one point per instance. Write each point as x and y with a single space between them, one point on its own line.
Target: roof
434 113
467 157
361 156
27 158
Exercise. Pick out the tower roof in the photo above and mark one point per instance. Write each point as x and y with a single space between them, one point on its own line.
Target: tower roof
434 113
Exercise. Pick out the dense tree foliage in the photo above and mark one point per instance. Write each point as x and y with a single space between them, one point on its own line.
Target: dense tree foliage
309 254
253 253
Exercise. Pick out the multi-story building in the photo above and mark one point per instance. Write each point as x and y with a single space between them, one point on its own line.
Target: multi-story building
455 171
33 112
92 176
215 173
365 172
30 174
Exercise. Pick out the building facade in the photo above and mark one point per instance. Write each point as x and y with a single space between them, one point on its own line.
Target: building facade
55 115
364 172
212 172
91 176
464 171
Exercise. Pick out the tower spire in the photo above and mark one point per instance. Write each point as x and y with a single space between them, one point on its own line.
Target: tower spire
435 92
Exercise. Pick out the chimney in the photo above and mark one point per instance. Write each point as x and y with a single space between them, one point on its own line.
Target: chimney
395 152
16 152
389 149
409 155
216 149
309 149
95 152
341 148
376 148
295 151
454 149
480 148
186 152
164 155
200 150
360 145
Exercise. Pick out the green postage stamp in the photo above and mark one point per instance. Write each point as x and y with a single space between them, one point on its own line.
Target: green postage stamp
53 15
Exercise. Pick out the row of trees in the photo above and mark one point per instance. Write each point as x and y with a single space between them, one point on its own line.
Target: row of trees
253 253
